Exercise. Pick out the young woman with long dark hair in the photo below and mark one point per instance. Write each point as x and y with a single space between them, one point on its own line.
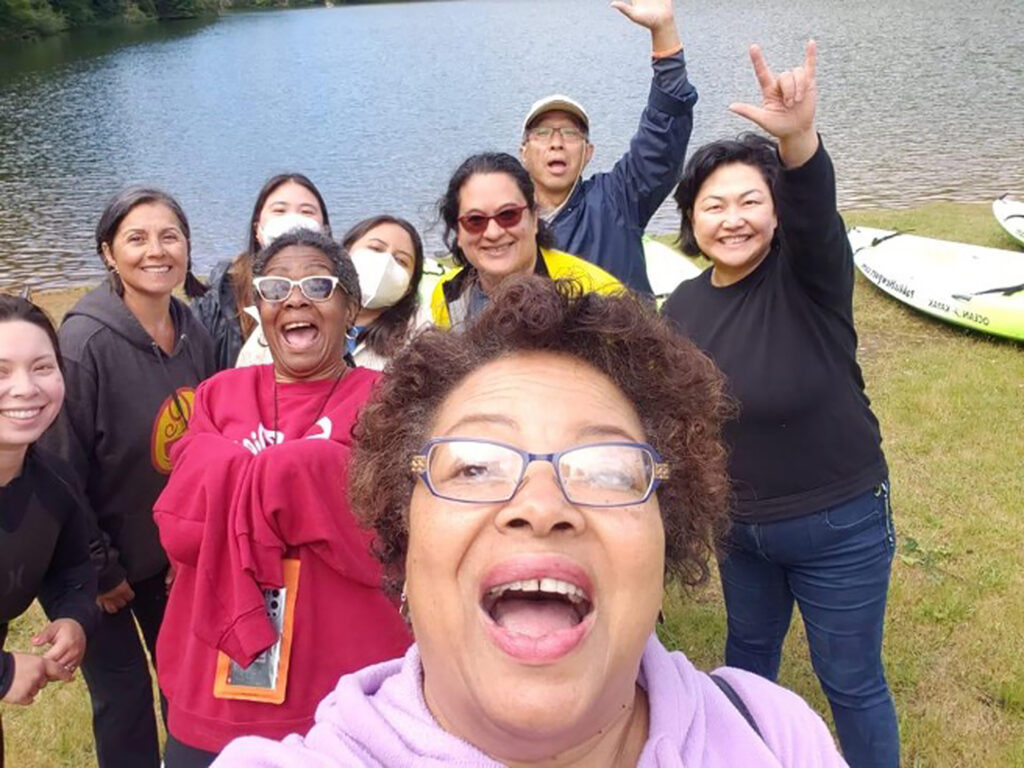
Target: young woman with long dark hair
388 255
44 543
285 201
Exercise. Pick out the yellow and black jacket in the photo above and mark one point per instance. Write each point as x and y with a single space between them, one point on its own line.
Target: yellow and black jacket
450 304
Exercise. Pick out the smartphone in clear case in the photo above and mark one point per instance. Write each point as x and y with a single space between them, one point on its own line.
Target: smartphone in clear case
266 679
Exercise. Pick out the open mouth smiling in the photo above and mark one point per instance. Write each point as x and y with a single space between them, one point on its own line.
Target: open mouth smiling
300 334
538 619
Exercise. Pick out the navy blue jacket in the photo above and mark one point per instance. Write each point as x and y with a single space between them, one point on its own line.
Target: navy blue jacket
605 217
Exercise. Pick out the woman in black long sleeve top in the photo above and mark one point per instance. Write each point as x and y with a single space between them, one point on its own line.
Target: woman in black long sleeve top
812 522
43 534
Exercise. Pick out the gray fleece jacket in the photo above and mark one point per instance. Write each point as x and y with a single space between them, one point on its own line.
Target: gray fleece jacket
127 402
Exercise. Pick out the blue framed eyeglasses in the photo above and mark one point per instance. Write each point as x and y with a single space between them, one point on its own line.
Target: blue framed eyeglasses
477 471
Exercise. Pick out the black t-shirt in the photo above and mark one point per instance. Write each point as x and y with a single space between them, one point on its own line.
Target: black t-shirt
805 438
44 548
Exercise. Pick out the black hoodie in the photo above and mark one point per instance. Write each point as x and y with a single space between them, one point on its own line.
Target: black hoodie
43 550
122 412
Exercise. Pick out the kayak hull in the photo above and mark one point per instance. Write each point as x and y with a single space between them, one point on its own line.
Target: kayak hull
966 285
1010 215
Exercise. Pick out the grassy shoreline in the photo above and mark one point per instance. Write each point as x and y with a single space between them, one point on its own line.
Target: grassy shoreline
949 402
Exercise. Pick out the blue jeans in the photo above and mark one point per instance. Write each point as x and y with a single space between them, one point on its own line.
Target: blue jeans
835 563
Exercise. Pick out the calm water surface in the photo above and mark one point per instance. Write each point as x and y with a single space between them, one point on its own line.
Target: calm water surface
921 100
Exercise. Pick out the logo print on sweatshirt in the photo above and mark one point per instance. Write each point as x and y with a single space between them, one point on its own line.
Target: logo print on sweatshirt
262 438
169 427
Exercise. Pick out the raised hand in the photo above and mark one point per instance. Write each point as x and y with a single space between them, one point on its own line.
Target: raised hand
647 13
657 16
788 103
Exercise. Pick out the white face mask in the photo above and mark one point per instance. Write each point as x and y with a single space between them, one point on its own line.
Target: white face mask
286 222
382 279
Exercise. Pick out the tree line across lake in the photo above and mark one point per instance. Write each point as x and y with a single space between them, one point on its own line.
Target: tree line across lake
28 19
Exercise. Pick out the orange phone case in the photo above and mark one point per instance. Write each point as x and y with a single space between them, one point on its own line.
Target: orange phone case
223 688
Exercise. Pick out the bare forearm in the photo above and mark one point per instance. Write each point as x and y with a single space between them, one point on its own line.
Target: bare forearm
665 37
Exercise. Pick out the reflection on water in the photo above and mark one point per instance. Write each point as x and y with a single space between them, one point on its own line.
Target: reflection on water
920 101
53 53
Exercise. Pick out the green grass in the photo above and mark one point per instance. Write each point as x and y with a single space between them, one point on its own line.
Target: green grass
951 404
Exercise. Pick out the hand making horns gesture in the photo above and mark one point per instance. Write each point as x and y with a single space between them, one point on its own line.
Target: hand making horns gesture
789 100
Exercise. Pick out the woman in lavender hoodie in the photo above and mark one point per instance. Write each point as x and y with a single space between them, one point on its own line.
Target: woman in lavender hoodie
533 482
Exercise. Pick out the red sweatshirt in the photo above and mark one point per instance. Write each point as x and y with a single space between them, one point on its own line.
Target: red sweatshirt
254 482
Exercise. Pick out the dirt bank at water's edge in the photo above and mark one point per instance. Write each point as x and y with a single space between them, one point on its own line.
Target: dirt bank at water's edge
59 300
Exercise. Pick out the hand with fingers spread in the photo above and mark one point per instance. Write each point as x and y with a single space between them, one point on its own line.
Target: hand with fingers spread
789 100
66 639
657 16
31 674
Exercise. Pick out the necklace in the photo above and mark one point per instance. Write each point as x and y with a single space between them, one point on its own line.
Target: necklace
320 411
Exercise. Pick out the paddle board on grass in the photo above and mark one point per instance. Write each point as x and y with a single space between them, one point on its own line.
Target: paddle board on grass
666 267
1010 215
967 285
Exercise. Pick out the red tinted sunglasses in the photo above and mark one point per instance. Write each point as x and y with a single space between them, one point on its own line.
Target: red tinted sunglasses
477 223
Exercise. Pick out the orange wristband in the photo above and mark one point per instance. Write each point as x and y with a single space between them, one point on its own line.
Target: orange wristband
666 53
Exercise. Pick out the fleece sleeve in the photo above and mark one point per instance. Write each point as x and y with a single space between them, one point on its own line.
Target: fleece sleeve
229 612
815 235
299 498
6 672
68 590
794 733
72 438
193 515
292 752
294 495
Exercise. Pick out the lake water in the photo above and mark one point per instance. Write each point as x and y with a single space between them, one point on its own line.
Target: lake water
920 100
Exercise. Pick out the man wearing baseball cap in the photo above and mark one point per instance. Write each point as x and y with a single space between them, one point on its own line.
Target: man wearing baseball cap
602 218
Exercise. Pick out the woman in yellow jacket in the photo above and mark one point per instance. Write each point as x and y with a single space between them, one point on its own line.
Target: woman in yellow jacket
492 229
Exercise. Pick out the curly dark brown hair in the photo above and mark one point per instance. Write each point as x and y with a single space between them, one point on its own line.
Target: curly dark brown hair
676 391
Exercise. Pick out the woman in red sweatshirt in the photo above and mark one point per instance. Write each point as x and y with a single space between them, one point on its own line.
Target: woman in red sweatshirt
276 593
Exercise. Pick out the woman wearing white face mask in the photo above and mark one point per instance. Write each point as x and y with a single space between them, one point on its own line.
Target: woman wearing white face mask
286 201
256 350
388 254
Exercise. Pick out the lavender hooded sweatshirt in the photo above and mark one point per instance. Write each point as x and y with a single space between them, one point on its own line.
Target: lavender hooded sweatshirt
377 717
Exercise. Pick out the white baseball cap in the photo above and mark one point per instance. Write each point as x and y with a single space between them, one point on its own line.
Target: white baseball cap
560 103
